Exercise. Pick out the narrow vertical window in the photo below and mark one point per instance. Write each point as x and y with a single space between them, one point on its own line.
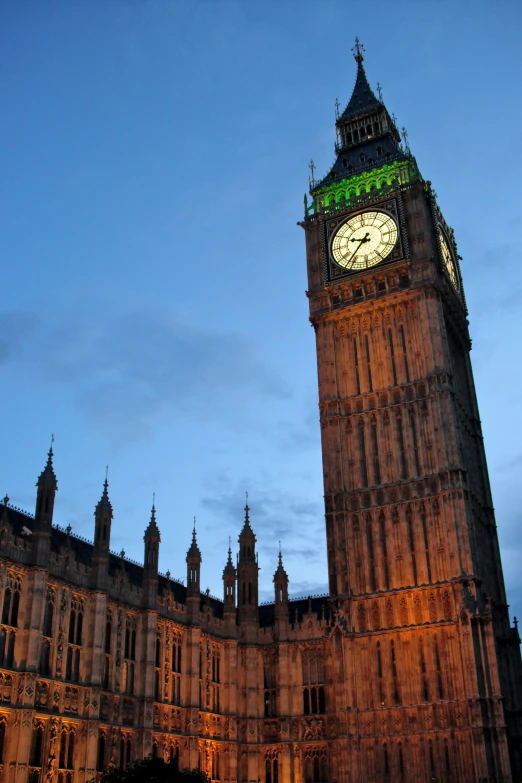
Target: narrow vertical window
426 544
412 544
356 365
369 539
440 688
382 532
396 695
402 449
424 678
375 447
415 443
379 675
362 447
368 362
392 357
404 353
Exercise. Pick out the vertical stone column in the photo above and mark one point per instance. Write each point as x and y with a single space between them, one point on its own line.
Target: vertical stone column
32 603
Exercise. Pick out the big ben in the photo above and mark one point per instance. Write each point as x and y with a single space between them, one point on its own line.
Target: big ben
430 673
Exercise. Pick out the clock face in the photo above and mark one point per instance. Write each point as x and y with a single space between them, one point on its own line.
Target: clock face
364 240
447 258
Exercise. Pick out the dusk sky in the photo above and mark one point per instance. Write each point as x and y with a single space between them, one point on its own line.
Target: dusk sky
154 157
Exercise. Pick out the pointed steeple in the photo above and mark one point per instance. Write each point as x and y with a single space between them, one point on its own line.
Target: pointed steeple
247 534
102 537
363 97
229 569
47 477
280 573
367 135
152 539
153 529
194 572
281 589
47 486
247 572
104 505
193 551
229 585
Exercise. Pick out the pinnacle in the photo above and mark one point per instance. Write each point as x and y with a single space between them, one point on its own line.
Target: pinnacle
153 526
48 475
104 504
280 571
193 551
247 532
229 568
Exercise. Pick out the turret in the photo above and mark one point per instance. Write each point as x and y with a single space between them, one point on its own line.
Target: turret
152 540
47 487
102 536
229 585
193 575
247 573
281 590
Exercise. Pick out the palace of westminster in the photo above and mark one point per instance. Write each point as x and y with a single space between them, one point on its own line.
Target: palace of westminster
409 670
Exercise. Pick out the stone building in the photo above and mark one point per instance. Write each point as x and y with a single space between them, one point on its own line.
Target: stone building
409 670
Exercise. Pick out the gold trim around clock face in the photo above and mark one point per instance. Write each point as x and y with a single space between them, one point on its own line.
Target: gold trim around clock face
448 260
364 240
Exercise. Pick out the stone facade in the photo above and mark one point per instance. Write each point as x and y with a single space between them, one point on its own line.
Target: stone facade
409 670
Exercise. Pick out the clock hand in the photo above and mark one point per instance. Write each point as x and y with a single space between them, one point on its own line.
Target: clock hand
365 238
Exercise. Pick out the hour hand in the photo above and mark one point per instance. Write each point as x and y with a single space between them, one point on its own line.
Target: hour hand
365 238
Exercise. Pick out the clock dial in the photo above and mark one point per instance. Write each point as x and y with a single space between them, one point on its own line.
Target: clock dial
447 258
364 240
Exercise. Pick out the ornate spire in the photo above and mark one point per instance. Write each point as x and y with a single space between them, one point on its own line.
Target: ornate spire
363 98
104 504
280 574
47 476
247 531
229 568
193 552
153 527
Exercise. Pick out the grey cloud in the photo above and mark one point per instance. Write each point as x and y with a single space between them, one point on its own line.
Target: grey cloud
124 370
275 516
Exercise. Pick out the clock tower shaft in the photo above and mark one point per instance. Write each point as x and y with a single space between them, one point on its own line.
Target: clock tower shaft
413 556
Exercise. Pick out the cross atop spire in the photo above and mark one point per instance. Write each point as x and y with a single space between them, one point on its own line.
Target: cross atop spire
358 50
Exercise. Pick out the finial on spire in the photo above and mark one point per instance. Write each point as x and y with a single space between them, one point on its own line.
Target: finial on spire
247 509
358 50
194 529
379 91
405 139
311 180
50 452
337 106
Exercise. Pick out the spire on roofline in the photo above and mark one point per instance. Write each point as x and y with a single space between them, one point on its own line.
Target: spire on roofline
153 529
193 552
104 504
280 574
229 567
247 532
47 476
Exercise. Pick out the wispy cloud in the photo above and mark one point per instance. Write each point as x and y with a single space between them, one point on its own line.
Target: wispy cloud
124 370
276 516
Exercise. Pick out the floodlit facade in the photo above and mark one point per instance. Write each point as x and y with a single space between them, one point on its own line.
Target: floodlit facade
409 669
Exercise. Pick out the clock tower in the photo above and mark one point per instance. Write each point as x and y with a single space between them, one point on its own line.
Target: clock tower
431 677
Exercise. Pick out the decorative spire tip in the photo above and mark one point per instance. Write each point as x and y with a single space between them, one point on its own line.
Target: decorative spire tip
358 50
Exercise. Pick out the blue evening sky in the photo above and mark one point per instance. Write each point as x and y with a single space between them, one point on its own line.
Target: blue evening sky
154 157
